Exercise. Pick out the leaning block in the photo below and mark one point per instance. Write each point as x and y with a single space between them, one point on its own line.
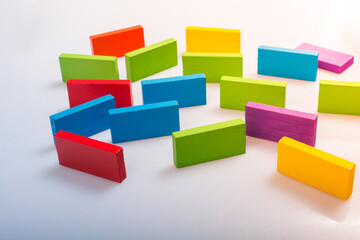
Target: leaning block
236 92
330 60
76 66
273 123
188 90
81 91
144 121
213 40
316 168
213 65
339 97
91 156
210 142
119 42
287 63
152 59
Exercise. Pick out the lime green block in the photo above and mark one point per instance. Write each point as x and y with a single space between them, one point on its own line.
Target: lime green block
76 66
152 59
213 65
339 97
210 142
236 92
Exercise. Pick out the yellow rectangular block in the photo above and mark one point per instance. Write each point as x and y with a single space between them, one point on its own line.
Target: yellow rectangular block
212 40
316 168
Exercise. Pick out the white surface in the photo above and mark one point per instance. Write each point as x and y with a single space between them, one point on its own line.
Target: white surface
242 197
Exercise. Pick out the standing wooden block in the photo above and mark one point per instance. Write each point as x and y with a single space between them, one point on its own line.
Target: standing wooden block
152 59
119 42
273 123
316 168
76 66
91 156
339 97
144 121
81 91
188 90
236 92
213 65
210 142
212 40
287 63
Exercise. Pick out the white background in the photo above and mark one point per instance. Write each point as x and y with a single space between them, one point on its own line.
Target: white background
241 197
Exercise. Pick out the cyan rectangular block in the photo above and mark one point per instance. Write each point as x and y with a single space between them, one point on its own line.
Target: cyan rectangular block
187 90
288 63
144 121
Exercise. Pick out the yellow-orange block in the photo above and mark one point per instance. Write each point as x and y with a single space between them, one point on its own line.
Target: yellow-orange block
316 168
212 40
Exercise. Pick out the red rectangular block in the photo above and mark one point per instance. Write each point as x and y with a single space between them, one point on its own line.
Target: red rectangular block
91 156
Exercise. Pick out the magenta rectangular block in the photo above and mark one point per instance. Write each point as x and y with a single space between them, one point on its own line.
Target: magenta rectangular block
273 123
330 60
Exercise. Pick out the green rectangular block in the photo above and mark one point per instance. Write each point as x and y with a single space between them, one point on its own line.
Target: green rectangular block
213 65
152 59
339 97
77 66
236 92
210 142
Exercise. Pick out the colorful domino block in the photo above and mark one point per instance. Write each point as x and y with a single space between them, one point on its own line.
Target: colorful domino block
236 92
213 65
210 142
273 123
76 66
81 91
287 63
86 119
119 42
91 156
188 90
330 60
213 40
152 59
144 121
316 168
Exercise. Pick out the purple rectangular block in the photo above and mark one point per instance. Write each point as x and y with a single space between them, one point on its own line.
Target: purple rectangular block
273 123
330 60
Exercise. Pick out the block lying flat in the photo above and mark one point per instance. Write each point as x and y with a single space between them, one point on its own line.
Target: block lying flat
287 63
76 66
212 40
213 65
188 90
152 59
144 121
236 92
81 91
86 119
91 156
210 142
330 60
273 123
316 168
339 97
117 43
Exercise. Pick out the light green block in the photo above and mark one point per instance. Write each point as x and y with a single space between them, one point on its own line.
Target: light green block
152 59
339 97
210 142
236 92
76 66
213 65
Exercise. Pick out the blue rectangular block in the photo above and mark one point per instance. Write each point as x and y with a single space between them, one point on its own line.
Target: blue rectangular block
187 90
85 119
288 63
144 121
